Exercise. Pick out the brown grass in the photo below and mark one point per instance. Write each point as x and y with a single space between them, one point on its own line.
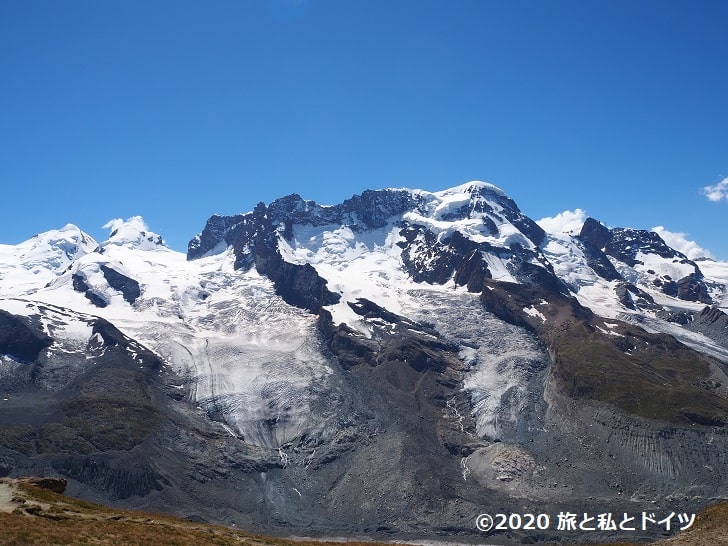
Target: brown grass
651 376
42 517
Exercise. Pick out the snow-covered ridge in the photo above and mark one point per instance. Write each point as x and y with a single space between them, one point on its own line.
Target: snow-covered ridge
427 374
247 358
242 348
373 244
51 250
478 210
132 232
33 263
621 271
367 263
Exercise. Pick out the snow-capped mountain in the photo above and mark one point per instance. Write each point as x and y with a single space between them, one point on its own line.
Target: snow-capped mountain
428 352
39 260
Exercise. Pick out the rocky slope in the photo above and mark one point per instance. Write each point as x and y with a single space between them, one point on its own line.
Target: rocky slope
392 365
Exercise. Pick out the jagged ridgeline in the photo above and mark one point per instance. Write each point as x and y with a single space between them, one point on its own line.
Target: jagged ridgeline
392 365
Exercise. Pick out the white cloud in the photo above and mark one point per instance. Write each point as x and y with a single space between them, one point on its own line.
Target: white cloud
717 192
135 222
569 221
132 231
679 242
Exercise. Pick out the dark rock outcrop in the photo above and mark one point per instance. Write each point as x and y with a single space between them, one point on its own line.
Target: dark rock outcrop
633 297
428 259
593 237
298 285
215 232
254 239
595 234
624 245
711 322
128 287
376 207
80 285
21 340
370 210
693 288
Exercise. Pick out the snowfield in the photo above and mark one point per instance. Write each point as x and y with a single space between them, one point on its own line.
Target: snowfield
257 364
247 357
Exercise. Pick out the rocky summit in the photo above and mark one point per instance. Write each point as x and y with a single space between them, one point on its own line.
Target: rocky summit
390 366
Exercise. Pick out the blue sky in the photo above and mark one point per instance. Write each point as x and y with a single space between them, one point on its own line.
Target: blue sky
175 110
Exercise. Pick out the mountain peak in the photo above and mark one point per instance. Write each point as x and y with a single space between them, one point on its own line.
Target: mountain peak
132 232
56 248
475 188
322 339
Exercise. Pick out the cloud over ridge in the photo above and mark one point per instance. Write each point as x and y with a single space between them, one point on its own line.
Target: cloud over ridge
681 243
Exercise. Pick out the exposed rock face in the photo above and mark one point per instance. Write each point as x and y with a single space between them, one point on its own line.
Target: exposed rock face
593 237
80 285
99 295
254 240
633 297
692 288
299 285
594 233
711 321
415 345
427 257
120 282
19 339
371 209
626 245
594 359
215 232
283 390
375 208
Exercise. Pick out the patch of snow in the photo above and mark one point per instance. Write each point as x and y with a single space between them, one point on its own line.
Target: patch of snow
498 268
609 332
533 312
367 265
662 266
717 273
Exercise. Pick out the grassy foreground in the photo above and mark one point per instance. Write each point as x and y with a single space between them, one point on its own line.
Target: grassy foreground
34 516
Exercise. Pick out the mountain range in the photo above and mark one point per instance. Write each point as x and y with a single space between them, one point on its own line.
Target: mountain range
393 365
